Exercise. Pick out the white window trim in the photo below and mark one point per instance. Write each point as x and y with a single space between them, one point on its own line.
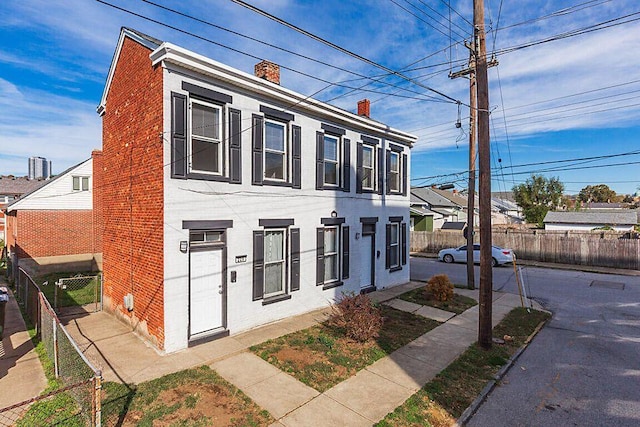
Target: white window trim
286 152
81 179
338 162
284 262
220 141
373 167
398 173
337 254
395 247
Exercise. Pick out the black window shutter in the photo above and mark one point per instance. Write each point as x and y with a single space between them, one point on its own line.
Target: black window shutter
345 252
296 155
235 149
346 165
258 131
404 174
258 265
178 135
295 259
320 256
404 237
380 159
319 160
388 162
359 168
387 263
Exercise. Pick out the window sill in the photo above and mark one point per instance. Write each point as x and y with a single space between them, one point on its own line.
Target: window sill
394 269
276 298
207 177
276 183
331 285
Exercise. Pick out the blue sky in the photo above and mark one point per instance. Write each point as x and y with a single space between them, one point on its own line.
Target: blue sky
561 100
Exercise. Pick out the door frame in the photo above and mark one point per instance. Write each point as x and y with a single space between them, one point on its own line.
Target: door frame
203 247
371 231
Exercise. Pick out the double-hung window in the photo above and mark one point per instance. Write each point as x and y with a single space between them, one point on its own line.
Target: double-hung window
275 150
276 260
331 161
396 243
80 183
206 148
368 167
332 257
397 169
369 159
394 171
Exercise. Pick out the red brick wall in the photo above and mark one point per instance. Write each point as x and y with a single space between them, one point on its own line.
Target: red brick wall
132 191
97 185
9 236
52 233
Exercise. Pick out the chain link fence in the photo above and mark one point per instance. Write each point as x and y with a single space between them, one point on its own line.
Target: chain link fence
84 292
77 400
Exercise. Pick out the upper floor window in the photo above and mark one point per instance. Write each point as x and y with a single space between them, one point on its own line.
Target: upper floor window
397 169
394 171
368 167
80 183
275 150
333 156
206 150
331 161
369 158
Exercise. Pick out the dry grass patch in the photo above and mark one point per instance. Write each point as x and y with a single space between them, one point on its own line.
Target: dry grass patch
323 355
458 304
442 401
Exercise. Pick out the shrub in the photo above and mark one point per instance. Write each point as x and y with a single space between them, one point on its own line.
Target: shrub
357 317
440 288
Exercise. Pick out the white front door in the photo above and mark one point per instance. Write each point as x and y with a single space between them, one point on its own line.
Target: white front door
206 292
366 265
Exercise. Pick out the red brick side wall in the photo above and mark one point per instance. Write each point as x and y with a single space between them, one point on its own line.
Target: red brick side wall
98 218
52 233
9 236
132 191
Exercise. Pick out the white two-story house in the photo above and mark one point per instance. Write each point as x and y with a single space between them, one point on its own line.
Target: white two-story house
233 202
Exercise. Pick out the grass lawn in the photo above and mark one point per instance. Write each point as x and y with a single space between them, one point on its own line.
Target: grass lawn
459 304
78 292
194 397
321 356
442 401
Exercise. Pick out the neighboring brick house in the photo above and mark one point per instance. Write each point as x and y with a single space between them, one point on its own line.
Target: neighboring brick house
12 188
230 201
52 227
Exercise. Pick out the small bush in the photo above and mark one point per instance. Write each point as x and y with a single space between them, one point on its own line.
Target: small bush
440 288
357 317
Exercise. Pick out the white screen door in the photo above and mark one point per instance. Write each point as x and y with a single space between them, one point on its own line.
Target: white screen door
205 296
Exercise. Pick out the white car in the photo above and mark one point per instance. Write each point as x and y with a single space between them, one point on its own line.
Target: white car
499 256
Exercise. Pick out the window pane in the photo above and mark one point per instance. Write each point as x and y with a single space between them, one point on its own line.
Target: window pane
330 268
394 184
330 148
196 236
395 158
205 156
393 258
367 157
76 183
273 278
85 183
394 234
273 246
330 240
273 165
213 236
205 121
331 173
274 136
367 178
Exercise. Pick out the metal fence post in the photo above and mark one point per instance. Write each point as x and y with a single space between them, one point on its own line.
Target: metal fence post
55 348
100 278
55 296
97 400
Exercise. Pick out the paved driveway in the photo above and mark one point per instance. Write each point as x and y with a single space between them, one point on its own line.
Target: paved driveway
583 369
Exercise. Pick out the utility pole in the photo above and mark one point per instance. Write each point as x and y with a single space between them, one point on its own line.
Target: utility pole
484 158
471 194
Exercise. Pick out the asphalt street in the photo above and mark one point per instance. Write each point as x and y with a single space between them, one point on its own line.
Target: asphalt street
583 368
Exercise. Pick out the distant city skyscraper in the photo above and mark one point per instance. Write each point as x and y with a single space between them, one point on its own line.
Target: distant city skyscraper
39 168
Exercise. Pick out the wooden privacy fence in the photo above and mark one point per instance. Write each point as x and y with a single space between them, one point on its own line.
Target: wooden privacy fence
601 249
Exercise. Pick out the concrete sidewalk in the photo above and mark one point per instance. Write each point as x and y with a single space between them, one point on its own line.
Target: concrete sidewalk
378 389
21 374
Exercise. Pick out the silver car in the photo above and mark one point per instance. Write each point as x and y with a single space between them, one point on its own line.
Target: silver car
499 255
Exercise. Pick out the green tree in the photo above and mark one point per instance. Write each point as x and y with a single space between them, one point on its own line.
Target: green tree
537 196
600 193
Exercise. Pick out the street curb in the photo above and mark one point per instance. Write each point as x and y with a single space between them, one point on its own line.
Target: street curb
475 405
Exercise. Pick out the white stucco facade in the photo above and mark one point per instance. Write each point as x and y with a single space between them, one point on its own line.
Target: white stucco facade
246 204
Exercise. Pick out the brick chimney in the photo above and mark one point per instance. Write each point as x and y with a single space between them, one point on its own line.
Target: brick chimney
364 108
268 71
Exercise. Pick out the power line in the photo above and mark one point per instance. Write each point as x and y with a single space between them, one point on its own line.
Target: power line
456 12
341 49
419 18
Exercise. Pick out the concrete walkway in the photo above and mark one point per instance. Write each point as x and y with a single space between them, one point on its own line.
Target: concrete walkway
367 397
21 374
